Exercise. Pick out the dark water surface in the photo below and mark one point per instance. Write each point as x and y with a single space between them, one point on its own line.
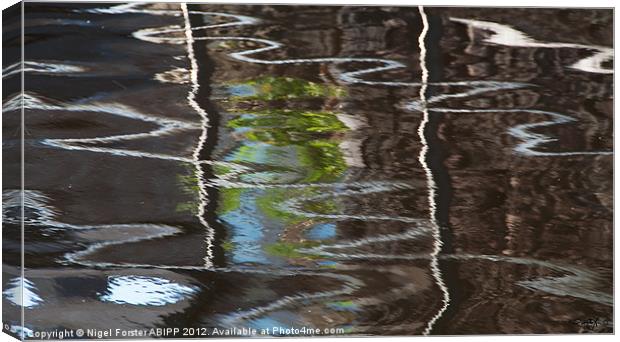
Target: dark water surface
370 170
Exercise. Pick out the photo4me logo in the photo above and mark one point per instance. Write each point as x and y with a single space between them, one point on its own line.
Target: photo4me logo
276 331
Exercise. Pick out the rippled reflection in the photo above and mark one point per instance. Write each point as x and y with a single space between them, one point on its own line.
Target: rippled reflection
377 170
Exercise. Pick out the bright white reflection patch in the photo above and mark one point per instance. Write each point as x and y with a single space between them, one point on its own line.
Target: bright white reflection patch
14 292
141 290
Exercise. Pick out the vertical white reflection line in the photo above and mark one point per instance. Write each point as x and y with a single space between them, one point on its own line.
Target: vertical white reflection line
204 123
434 263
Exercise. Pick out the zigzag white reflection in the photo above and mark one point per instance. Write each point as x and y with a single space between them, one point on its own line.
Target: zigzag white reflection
204 119
349 189
431 185
165 125
576 282
566 285
523 132
351 284
531 140
41 68
508 36
45 216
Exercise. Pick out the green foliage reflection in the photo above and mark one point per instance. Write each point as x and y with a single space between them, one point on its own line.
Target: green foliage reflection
281 88
295 145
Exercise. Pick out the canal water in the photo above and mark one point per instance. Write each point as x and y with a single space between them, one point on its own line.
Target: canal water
357 170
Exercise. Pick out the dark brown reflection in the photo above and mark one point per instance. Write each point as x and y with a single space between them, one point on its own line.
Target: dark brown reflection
174 180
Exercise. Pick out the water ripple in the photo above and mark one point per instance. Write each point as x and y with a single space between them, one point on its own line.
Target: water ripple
574 282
